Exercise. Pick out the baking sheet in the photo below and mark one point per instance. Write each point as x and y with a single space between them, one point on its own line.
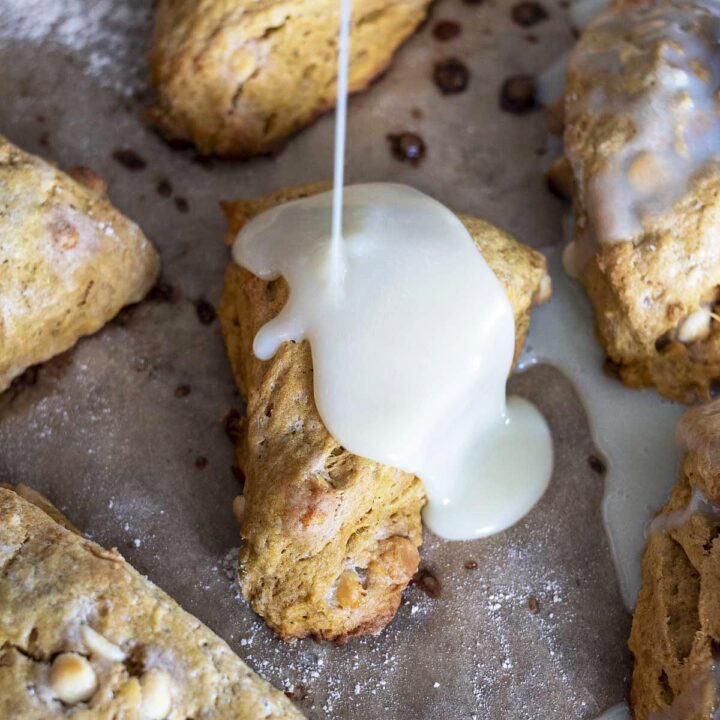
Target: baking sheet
528 623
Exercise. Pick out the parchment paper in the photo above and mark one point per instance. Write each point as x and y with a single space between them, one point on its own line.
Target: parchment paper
533 627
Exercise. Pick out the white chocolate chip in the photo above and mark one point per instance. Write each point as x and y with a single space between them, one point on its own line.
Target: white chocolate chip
544 290
647 173
72 678
238 508
696 326
100 646
683 101
570 260
156 686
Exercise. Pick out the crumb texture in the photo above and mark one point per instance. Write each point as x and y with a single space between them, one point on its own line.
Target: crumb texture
655 283
69 261
330 538
237 78
675 636
83 635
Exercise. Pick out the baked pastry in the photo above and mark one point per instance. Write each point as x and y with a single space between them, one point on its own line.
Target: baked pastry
641 135
237 78
83 635
676 629
69 261
330 538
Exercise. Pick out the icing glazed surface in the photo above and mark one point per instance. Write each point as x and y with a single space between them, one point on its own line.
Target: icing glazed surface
655 70
411 349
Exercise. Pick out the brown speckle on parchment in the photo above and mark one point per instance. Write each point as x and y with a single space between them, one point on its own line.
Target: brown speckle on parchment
428 583
129 159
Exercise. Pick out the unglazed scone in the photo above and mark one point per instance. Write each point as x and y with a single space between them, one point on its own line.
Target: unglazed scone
69 261
238 77
642 134
330 538
676 629
83 635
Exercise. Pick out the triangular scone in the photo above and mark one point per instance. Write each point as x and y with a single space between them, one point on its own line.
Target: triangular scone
676 629
653 284
83 635
237 77
330 538
69 261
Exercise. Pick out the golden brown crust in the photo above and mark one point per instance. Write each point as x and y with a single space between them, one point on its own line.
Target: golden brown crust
238 78
676 629
645 286
69 260
317 518
54 583
643 291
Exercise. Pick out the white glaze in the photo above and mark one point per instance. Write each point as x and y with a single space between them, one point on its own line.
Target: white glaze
698 505
635 430
550 85
411 356
616 712
675 117
583 12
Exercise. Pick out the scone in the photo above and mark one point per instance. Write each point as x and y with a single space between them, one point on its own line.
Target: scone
83 635
237 77
330 538
69 261
642 136
676 629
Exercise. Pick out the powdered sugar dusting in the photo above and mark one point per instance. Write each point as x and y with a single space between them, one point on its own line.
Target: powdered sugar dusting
109 37
481 613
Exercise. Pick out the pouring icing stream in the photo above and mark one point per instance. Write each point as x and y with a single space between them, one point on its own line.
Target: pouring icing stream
340 135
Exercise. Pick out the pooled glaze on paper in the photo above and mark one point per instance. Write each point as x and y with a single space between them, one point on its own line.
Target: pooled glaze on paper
620 711
411 351
634 429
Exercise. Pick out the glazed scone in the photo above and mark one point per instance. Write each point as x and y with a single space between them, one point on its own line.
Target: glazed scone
676 629
642 135
237 77
83 635
69 261
330 538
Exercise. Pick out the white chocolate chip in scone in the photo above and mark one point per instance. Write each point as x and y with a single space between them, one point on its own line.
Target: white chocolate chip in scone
156 688
72 678
238 508
571 261
647 172
544 290
100 646
695 326
349 592
683 102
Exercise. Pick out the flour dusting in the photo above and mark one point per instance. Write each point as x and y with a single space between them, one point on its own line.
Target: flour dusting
108 37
